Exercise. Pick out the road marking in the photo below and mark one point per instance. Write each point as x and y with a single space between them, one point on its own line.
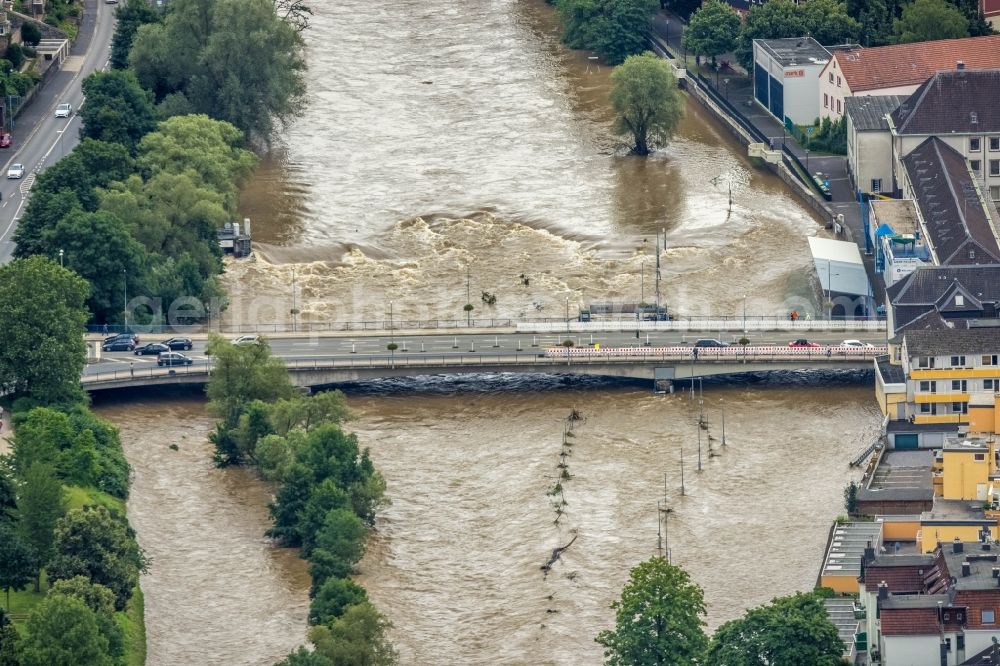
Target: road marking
72 64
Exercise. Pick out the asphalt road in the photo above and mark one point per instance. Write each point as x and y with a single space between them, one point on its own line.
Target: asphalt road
308 349
41 139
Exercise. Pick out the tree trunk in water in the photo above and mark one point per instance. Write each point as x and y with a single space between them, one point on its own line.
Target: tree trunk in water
641 148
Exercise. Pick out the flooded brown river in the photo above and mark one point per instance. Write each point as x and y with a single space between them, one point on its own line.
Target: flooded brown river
446 139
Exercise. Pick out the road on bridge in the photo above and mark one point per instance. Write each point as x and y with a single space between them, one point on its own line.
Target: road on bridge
41 139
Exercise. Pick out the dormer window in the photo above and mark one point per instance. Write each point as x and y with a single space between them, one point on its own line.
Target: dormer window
959 299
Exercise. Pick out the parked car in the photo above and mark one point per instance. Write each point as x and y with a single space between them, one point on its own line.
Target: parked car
15 171
178 343
710 342
119 344
64 110
246 340
803 343
5 140
173 358
151 349
857 343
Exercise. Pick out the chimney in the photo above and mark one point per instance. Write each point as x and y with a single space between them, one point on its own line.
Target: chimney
883 591
957 546
960 65
966 569
987 547
996 572
869 552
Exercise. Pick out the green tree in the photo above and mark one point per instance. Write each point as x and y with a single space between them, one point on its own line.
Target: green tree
323 498
875 17
17 562
615 29
40 505
62 631
8 496
100 600
303 657
359 636
828 22
334 596
772 20
10 643
31 34
713 30
927 20
130 15
116 109
241 375
659 619
648 106
41 316
91 542
789 630
289 501
339 546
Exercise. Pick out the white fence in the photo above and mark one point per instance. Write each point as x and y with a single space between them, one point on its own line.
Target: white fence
734 325
732 352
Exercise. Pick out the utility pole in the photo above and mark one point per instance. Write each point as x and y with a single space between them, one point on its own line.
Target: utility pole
295 312
657 275
125 291
682 471
699 448
723 424
468 284
659 533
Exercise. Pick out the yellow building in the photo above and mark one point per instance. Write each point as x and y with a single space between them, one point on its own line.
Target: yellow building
968 470
944 368
984 414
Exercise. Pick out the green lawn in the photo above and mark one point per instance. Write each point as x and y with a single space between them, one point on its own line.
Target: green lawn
133 621
77 498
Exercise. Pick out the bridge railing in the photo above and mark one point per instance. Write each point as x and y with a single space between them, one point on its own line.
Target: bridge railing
550 357
700 325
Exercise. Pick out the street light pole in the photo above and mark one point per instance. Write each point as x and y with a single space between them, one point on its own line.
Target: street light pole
807 161
295 311
744 314
60 258
125 292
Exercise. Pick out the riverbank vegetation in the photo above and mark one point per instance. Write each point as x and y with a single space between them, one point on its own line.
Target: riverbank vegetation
328 492
648 105
660 619
613 29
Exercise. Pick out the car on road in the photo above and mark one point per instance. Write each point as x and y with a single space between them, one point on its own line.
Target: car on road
710 342
857 344
64 110
123 343
5 140
15 171
802 343
152 349
123 336
246 340
173 358
174 344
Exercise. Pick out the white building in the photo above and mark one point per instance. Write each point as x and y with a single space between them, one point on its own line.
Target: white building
869 142
786 77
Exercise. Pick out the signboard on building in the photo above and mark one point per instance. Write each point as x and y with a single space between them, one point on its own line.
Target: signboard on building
794 73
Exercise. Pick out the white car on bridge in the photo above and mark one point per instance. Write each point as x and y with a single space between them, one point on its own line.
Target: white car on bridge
15 171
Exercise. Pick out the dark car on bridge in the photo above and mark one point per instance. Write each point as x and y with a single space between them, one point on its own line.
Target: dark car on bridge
173 358
802 343
710 342
123 342
184 344
152 349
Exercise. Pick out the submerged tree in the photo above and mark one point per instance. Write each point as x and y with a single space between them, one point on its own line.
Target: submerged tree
647 102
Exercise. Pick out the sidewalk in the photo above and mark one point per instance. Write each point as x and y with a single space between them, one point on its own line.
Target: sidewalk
737 88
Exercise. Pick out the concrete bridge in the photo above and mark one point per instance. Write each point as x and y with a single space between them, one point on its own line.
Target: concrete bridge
664 364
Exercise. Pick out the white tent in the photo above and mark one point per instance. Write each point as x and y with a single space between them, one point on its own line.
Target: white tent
839 267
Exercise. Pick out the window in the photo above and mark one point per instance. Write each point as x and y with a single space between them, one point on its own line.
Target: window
959 300
928 387
925 362
957 361
838 81
995 192
989 360
994 143
831 77
989 385
838 111
988 616
979 456
975 144
928 408
826 101
960 638
959 385
876 185
975 165
994 167
958 407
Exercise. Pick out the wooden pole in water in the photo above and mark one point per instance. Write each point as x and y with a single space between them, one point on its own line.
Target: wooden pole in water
699 448
723 424
682 471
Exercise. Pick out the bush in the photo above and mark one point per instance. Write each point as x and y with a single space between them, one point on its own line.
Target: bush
15 55
31 34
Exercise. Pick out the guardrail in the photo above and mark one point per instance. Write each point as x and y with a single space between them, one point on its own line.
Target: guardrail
549 357
735 325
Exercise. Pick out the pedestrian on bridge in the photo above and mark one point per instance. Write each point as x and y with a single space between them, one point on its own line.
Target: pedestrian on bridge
105 329
131 368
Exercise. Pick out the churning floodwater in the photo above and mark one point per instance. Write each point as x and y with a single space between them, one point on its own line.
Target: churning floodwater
451 146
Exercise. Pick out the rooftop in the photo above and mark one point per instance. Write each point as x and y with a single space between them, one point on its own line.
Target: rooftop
891 374
841 614
794 51
847 546
912 64
955 217
927 284
868 113
961 101
981 565
900 214
900 475
952 341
